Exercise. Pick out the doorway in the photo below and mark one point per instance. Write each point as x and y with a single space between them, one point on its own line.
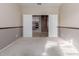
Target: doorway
40 25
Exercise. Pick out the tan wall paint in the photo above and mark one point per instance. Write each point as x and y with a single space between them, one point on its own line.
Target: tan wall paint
10 15
69 15
44 9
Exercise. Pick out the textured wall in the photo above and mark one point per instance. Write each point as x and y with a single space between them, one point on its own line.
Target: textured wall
70 34
10 16
45 9
7 36
69 17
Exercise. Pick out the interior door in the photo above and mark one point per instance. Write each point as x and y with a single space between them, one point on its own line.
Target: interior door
53 24
27 25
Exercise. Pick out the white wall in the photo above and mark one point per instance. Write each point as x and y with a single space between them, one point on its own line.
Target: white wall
31 8
45 9
10 15
69 15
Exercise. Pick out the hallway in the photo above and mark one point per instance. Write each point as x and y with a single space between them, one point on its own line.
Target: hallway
18 23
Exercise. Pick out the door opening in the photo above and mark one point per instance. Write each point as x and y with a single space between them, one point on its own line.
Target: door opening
40 25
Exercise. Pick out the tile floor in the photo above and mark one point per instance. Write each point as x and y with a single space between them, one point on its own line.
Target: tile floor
43 46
